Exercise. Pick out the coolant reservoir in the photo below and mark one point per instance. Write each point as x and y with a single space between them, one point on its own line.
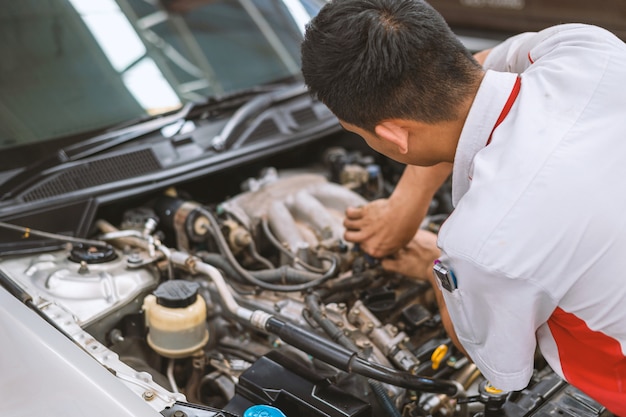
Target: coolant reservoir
175 317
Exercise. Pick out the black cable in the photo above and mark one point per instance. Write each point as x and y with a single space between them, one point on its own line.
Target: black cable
346 360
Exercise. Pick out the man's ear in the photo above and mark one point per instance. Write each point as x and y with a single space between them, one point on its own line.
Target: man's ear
394 132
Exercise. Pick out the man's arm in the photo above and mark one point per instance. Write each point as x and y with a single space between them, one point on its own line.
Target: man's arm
383 226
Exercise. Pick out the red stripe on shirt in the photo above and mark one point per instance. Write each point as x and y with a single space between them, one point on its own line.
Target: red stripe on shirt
591 360
507 106
530 58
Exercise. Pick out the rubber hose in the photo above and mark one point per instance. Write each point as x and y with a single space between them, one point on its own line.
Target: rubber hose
346 360
284 273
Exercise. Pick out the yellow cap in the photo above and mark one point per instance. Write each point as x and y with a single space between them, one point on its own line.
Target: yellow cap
438 354
491 389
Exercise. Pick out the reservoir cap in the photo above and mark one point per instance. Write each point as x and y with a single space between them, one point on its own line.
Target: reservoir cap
263 411
177 293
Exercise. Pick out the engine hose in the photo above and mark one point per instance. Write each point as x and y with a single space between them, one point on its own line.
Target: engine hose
219 261
312 302
404 379
346 360
287 274
282 274
224 248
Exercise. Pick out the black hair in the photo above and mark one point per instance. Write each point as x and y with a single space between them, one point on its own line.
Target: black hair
371 60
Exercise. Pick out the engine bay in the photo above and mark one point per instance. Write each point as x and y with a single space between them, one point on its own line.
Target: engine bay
208 300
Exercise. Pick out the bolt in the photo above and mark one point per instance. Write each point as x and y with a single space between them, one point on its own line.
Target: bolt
116 336
134 258
179 413
84 268
148 395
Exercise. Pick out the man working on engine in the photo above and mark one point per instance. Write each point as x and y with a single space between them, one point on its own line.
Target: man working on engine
534 138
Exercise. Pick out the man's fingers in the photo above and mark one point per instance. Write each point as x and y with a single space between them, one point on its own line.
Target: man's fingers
352 235
354 213
352 224
355 236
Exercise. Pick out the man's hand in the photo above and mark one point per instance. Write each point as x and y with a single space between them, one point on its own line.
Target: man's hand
383 226
377 229
416 259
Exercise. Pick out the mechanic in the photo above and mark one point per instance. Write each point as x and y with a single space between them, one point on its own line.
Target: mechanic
535 138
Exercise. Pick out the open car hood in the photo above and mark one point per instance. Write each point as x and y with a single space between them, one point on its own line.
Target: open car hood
171 230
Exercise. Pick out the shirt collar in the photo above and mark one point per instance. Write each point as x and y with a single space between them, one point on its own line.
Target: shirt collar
490 99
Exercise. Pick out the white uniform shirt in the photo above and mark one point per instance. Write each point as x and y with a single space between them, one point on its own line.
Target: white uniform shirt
537 240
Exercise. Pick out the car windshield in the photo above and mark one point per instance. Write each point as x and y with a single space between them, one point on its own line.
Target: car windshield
76 66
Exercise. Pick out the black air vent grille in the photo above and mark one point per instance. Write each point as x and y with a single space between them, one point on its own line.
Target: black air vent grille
304 116
267 128
95 173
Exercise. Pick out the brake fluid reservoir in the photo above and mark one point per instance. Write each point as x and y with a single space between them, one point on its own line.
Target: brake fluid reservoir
175 317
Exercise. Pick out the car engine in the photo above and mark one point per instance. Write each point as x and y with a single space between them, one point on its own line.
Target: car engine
210 303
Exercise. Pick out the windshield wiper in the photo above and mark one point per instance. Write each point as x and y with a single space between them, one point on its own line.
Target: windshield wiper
245 101
190 111
85 149
251 109
118 137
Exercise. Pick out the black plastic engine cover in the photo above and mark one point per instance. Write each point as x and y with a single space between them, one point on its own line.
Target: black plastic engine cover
281 382
552 397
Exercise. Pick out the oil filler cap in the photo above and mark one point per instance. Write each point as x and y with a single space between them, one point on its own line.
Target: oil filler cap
177 293
263 411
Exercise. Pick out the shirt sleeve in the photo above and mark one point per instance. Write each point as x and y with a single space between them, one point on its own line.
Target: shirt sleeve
511 55
495 318
519 52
